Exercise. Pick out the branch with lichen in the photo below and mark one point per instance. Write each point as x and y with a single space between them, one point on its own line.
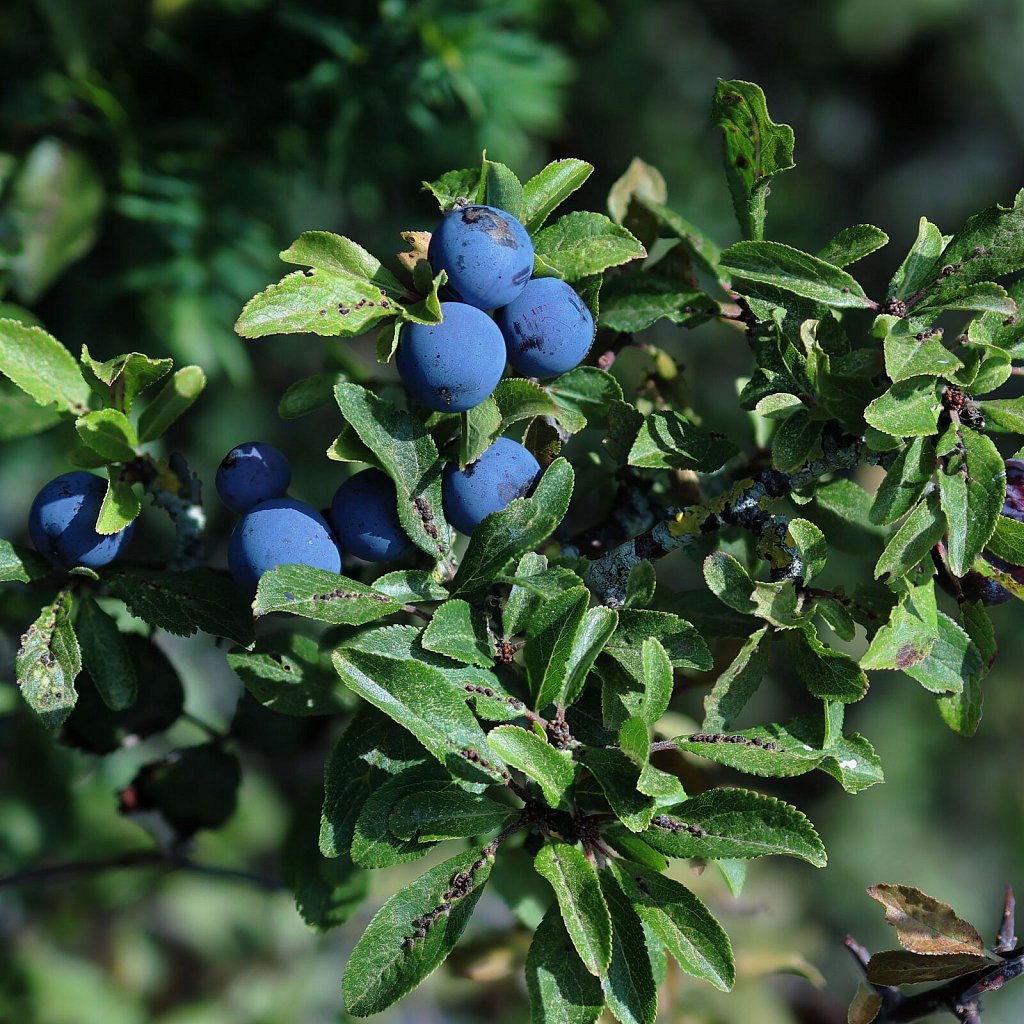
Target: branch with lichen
173 487
745 505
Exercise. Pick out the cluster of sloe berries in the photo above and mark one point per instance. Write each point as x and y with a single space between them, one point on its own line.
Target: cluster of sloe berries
540 326
277 530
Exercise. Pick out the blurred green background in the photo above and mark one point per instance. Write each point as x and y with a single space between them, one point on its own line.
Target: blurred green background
154 158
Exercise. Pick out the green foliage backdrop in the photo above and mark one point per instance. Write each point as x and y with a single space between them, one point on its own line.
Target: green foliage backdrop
148 184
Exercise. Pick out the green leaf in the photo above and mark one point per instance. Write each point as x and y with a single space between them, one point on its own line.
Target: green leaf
737 684
285 673
699 246
54 206
120 505
658 680
1006 542
561 989
735 823
374 845
986 247
549 188
972 486
183 602
729 581
120 379
446 814
628 983
320 595
619 779
580 244
48 661
407 453
552 770
910 352
467 185
550 636
105 655
173 399
920 532
21 416
756 150
909 633
951 664
811 546
828 674
519 399
904 482
580 901
480 426
370 751
327 891
633 301
1003 415
667 440
308 395
391 959
344 292
42 367
962 711
109 433
21 564
500 538
585 391
681 923
410 585
796 441
852 244
915 270
502 189
783 268
788 749
417 697
682 643
458 632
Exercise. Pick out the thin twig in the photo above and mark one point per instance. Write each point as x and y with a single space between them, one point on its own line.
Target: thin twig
155 859
1005 939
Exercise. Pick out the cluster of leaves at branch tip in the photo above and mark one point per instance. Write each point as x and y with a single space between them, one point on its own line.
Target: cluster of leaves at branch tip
511 694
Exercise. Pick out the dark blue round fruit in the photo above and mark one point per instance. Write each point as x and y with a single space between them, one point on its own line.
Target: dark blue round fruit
454 365
62 522
251 473
365 520
548 328
505 471
486 253
280 531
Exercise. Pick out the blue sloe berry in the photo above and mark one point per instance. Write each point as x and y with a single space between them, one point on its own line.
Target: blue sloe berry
62 522
505 470
364 518
486 253
280 531
548 328
251 473
454 365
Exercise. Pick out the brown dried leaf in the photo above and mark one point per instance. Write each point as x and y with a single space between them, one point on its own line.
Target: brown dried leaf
926 925
900 967
417 242
865 1006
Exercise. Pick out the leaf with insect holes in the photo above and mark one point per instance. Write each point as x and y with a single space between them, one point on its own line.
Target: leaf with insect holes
756 150
344 292
924 924
48 661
